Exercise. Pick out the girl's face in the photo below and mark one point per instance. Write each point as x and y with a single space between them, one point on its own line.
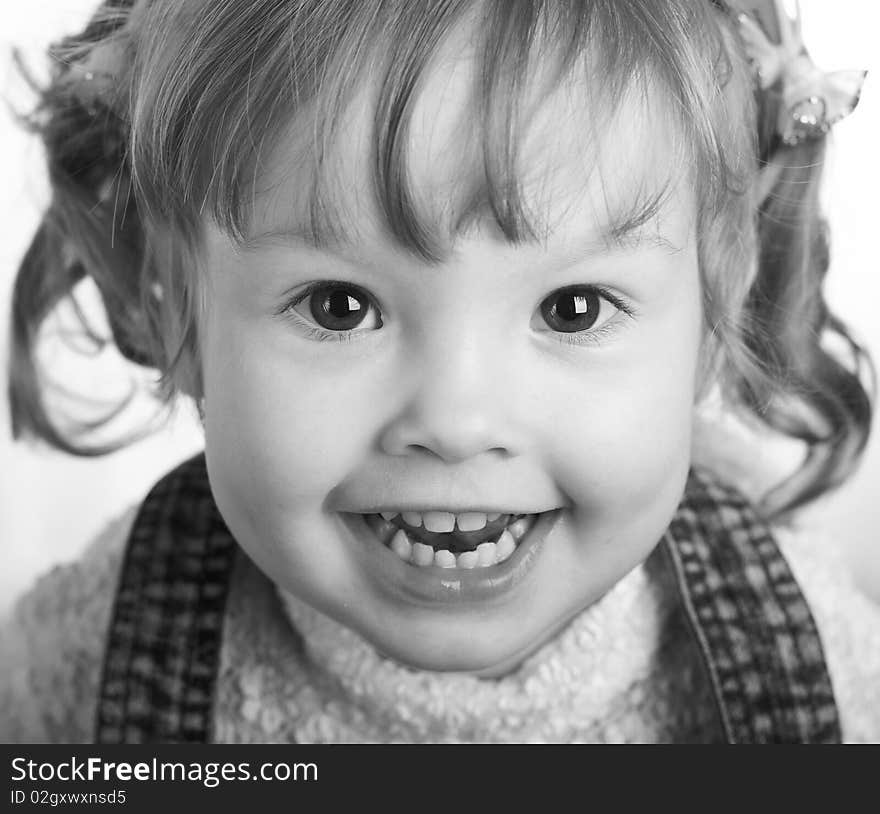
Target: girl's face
538 394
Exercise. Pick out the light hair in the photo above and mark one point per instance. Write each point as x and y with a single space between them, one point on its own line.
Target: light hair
208 86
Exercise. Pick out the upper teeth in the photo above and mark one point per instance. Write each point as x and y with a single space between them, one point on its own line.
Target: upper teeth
445 521
420 553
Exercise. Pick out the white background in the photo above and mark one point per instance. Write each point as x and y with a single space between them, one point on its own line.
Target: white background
51 505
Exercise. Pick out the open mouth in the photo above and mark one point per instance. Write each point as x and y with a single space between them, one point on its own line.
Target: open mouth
467 540
434 558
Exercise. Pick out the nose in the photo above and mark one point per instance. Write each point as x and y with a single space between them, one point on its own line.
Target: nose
456 404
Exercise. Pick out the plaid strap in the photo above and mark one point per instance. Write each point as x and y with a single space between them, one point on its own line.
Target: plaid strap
754 629
755 633
164 640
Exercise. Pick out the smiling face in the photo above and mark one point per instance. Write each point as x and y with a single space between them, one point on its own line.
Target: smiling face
550 383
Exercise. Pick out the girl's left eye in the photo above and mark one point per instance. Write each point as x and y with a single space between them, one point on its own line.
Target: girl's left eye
334 311
582 312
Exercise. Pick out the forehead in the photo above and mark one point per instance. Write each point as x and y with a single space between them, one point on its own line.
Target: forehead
580 164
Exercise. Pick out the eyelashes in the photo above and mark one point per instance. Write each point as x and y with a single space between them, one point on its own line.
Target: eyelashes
337 311
583 313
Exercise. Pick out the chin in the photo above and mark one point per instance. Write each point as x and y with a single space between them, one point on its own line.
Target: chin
488 653
440 657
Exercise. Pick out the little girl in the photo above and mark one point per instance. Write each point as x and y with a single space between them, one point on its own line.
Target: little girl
451 283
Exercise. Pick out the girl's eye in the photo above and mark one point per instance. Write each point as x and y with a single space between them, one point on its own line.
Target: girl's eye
338 308
339 311
334 310
581 309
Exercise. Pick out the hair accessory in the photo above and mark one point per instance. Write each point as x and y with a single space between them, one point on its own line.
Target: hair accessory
94 81
812 101
96 72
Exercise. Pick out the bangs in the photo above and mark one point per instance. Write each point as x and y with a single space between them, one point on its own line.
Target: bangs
239 73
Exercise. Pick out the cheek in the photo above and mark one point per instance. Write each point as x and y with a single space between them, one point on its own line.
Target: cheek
279 428
622 429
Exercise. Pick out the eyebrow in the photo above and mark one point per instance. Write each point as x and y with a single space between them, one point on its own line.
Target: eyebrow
637 226
293 235
631 238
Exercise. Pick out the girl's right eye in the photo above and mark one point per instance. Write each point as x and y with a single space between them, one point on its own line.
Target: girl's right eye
334 311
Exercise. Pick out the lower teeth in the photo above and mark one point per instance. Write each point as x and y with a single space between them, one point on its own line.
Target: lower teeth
421 554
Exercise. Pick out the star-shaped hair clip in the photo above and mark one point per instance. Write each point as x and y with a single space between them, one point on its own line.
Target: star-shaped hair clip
812 100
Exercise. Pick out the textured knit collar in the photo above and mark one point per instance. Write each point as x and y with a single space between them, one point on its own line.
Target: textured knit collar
568 690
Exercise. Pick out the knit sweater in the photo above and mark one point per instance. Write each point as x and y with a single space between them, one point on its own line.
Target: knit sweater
624 670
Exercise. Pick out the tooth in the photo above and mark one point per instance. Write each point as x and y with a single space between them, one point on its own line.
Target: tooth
401 545
422 554
388 515
519 528
381 528
505 545
471 521
467 559
486 554
444 558
413 519
491 518
438 521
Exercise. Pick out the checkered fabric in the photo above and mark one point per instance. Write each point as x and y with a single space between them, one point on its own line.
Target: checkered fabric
755 632
164 639
757 637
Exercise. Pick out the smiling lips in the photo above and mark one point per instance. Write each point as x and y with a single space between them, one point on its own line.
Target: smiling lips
468 540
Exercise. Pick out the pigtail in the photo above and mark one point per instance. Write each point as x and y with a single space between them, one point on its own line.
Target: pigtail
201 95
809 375
90 228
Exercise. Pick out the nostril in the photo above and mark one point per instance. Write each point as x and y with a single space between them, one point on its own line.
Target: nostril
444 433
441 453
450 454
